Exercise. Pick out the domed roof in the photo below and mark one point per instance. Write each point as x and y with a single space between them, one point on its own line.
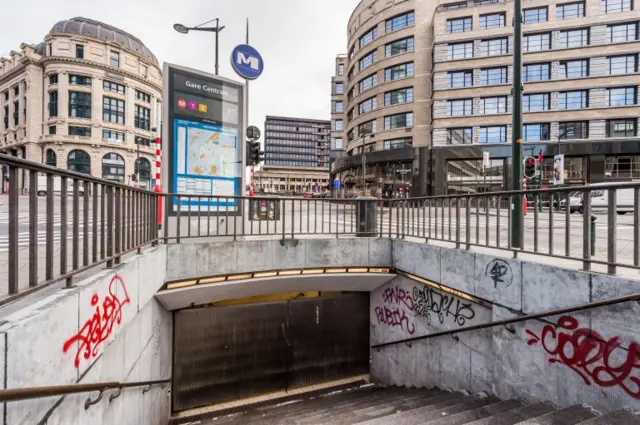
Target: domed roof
106 33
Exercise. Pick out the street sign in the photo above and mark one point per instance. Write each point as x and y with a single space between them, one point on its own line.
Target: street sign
558 169
253 133
336 183
247 62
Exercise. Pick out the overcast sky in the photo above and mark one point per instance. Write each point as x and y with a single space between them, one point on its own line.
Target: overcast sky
298 40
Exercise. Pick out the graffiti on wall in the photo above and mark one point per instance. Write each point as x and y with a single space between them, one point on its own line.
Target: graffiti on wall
595 359
97 329
400 307
393 312
427 300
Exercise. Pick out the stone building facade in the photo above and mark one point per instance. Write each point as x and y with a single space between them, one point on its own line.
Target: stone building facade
86 99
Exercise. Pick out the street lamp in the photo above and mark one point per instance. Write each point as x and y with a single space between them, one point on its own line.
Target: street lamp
184 30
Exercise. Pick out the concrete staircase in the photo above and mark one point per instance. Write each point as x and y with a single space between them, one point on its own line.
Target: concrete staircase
374 405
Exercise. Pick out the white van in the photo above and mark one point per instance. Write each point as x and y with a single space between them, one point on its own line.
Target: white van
600 199
57 185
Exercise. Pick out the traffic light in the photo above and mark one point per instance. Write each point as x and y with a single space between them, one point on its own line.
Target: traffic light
134 177
254 155
530 167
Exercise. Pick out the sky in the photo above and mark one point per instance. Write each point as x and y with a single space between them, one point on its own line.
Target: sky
298 40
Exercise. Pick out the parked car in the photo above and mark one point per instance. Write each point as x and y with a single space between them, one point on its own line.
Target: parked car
575 202
308 195
600 199
57 185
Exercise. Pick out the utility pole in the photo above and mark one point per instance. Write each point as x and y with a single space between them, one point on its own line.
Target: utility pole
516 128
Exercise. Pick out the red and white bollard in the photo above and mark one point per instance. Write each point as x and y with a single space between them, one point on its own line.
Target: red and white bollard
251 191
524 197
158 188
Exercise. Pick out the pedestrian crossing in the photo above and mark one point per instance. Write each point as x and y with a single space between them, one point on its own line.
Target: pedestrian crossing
42 218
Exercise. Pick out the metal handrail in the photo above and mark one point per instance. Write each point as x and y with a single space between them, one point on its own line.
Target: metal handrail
17 394
524 318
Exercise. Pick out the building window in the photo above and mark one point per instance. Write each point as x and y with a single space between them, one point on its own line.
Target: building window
143 71
369 37
338 143
399 47
570 10
338 107
492 20
494 47
114 59
573 130
52 129
460 136
621 96
460 107
459 79
573 99
53 79
368 60
493 105
113 110
400 21
398 121
142 118
535 102
79 105
493 134
536 132
113 167
142 141
536 72
460 50
367 128
338 88
368 82
79 161
535 15
622 167
79 80
340 69
367 106
53 104
623 33
79 51
113 136
622 64
79 131
459 25
51 157
406 142
574 69
615 6
493 76
338 125
398 96
398 72
142 168
536 42
574 38
114 87
16 90
454 6
622 127
16 112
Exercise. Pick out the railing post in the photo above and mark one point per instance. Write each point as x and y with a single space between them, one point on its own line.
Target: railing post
14 265
586 230
109 226
33 228
611 232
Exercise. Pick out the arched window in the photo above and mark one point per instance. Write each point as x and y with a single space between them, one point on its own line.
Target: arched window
143 170
52 158
113 167
79 161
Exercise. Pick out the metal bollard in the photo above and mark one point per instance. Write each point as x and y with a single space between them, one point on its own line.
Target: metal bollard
593 235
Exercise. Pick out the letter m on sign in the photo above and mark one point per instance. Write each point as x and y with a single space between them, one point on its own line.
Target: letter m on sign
243 59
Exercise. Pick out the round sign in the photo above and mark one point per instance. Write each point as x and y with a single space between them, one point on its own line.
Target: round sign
253 133
247 62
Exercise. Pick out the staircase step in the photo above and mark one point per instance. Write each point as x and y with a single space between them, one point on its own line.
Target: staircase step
569 416
621 417
471 415
517 415
422 414
383 409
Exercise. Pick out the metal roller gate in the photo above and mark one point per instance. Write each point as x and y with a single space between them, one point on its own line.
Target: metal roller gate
228 353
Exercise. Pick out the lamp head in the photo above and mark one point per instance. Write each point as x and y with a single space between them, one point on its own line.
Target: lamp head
180 28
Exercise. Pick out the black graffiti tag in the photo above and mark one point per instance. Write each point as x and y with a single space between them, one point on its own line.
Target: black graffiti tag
427 300
499 271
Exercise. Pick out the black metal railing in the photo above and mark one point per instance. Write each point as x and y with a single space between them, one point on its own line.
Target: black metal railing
56 224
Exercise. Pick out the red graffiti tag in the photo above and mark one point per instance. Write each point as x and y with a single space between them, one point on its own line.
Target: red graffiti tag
590 355
394 317
396 295
98 328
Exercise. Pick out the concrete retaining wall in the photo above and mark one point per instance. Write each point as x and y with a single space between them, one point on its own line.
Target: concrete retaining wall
534 360
194 260
107 328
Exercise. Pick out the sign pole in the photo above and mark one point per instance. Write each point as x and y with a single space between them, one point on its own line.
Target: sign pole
516 142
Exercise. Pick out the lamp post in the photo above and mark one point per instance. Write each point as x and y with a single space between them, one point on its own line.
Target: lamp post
184 30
